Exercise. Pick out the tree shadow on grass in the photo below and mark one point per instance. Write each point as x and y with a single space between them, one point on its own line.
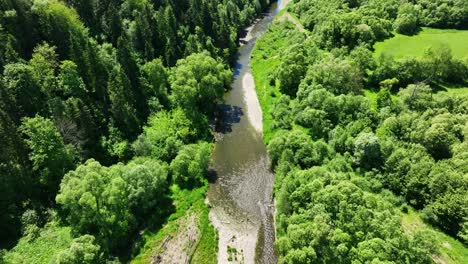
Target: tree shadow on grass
153 223
442 87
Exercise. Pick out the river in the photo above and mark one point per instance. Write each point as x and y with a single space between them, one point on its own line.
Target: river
241 194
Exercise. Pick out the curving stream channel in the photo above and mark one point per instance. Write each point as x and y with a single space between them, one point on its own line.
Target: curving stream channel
241 195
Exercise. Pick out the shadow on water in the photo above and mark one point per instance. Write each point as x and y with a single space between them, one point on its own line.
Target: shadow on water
212 176
237 69
228 115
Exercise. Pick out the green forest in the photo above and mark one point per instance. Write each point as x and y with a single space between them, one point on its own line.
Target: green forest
108 109
369 146
105 108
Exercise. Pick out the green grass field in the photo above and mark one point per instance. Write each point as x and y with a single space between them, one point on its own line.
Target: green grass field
401 45
451 251
52 239
454 91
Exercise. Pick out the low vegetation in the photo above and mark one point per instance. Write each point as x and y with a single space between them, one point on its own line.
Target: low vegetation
451 250
265 58
40 245
187 203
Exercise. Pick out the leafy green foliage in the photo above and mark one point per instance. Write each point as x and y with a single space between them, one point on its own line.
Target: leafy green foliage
281 113
338 23
81 80
322 205
81 84
165 134
51 240
264 62
44 63
345 163
198 82
336 75
147 184
154 78
96 199
70 82
417 97
367 150
437 65
122 102
50 157
407 20
190 165
81 250
292 69
444 13
298 147
21 91
107 202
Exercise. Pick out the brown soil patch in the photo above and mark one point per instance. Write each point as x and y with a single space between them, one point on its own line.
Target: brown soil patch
179 247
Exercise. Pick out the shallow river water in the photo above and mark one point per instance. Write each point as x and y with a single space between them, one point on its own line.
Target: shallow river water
241 194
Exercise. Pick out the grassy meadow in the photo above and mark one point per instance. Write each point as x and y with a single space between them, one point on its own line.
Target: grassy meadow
400 45
451 251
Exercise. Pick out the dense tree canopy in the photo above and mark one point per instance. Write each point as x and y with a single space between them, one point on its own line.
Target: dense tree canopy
104 105
345 161
165 134
50 157
97 201
82 250
198 82
97 82
190 165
